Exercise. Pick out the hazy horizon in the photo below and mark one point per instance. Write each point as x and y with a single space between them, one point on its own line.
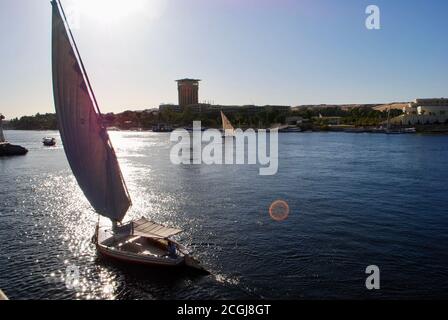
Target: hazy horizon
246 52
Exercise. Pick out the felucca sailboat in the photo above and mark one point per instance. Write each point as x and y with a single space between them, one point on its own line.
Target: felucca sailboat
94 163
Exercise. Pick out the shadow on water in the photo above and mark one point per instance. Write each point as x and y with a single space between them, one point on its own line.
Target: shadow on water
153 273
151 279
152 282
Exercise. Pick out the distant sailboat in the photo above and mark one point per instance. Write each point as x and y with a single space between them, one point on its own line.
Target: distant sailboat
227 127
94 163
7 149
388 129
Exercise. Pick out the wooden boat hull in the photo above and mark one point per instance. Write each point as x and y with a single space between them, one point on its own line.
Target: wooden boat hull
138 259
136 249
186 262
151 252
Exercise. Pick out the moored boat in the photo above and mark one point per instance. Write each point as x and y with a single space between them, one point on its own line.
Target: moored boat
7 149
390 130
410 130
162 128
290 129
400 131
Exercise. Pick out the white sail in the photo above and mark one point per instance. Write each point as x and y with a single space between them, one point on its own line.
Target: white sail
229 130
2 137
86 142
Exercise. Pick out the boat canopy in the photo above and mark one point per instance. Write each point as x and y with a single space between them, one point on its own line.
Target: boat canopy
145 228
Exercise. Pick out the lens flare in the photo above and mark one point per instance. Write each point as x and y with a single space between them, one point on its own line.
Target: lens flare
279 210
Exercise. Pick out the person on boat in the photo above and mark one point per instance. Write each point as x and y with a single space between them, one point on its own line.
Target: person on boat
171 249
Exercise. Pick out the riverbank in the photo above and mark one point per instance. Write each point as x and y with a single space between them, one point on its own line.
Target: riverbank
360 115
430 129
424 129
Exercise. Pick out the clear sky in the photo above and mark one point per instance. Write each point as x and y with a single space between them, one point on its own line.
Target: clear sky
246 51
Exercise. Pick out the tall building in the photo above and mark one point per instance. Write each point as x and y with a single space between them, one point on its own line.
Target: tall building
188 91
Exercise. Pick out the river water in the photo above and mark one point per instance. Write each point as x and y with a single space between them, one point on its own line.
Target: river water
355 200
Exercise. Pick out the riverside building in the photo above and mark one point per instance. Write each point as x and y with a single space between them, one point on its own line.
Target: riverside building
423 111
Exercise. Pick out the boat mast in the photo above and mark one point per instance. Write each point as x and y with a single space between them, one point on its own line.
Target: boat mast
78 56
2 137
388 120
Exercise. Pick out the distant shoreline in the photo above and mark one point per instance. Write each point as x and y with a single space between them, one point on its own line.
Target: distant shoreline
315 118
423 129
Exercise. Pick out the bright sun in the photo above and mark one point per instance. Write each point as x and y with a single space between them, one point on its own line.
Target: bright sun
112 11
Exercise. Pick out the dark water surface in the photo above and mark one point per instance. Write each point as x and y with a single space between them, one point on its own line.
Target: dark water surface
355 200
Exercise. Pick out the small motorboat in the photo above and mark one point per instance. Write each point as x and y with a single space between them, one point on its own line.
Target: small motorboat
49 142
290 130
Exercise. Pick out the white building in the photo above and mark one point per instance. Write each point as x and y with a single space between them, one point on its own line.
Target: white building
423 111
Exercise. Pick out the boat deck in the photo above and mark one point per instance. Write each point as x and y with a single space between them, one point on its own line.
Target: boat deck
139 245
134 244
